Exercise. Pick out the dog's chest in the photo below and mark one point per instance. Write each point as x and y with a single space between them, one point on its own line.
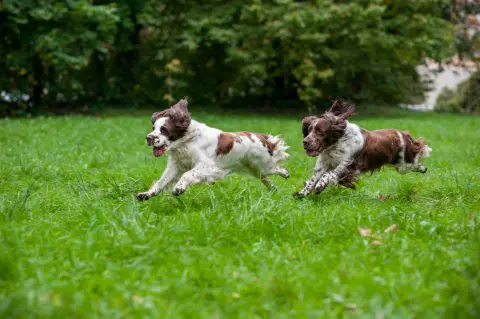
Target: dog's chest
333 157
184 158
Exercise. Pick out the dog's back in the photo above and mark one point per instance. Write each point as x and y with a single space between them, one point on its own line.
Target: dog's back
256 153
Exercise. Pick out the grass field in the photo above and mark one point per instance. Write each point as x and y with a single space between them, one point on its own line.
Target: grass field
75 243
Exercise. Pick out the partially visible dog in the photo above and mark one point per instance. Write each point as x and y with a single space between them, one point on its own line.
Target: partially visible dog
201 154
345 150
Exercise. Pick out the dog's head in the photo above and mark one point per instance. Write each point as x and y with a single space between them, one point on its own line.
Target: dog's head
168 126
320 132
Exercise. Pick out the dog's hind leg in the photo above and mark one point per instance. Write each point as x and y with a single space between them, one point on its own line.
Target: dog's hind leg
280 171
268 183
349 178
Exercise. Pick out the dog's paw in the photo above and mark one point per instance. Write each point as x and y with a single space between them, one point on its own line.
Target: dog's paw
177 191
320 188
298 195
283 172
143 196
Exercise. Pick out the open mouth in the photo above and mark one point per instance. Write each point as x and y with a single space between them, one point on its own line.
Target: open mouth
312 153
159 151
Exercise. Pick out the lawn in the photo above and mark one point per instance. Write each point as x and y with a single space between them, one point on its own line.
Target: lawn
75 243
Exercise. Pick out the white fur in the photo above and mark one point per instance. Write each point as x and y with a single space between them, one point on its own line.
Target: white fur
403 167
193 158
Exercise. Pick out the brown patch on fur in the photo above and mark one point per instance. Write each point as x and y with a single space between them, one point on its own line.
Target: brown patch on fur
412 147
381 147
225 143
178 119
246 134
262 137
265 142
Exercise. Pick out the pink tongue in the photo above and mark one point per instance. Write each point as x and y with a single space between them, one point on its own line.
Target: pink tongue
158 151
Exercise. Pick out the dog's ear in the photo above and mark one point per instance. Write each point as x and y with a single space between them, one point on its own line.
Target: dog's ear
307 121
181 105
179 119
342 109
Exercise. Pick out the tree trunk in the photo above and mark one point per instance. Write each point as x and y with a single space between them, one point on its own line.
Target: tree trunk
38 74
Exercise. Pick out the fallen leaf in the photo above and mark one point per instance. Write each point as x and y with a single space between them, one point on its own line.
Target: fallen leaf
382 197
351 306
391 229
236 295
376 243
138 299
365 232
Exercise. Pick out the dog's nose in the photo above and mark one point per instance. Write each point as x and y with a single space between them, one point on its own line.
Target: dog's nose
306 144
149 139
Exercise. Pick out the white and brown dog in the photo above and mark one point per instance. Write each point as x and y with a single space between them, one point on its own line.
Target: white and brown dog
201 154
345 150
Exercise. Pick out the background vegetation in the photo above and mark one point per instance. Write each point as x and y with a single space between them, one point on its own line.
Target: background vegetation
465 99
86 53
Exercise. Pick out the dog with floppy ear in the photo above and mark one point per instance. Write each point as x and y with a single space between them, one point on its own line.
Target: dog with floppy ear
345 150
202 154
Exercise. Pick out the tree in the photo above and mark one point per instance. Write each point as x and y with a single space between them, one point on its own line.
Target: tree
44 44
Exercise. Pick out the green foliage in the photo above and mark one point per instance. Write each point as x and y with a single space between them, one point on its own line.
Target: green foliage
223 51
44 44
75 243
305 50
466 98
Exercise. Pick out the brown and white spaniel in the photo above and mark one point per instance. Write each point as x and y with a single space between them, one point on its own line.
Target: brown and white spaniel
345 150
201 154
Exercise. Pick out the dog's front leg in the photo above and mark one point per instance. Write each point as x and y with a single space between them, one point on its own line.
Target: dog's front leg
200 174
331 178
318 172
167 177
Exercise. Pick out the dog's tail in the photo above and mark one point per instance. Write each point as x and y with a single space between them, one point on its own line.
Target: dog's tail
280 148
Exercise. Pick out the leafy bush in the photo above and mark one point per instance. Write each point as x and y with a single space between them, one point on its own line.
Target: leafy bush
45 44
466 99
128 51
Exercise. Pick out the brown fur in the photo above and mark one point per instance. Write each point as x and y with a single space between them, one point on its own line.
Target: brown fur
264 139
381 147
225 143
246 134
178 119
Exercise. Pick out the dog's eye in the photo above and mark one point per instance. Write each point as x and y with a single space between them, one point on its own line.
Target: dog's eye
164 131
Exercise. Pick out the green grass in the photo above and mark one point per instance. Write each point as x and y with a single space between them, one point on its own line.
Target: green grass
75 243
